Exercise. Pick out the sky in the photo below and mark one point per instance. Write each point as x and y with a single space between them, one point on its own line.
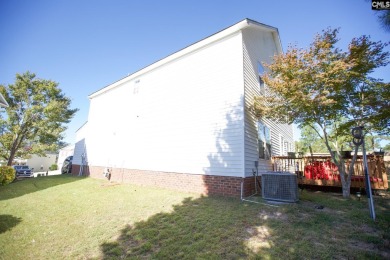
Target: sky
87 45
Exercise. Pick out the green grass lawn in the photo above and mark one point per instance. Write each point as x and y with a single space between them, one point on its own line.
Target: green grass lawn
64 217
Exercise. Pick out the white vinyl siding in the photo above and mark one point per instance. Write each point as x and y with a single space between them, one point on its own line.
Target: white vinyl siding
80 145
184 116
189 112
259 46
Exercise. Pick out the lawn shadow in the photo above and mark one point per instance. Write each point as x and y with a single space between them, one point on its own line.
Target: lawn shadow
223 228
26 186
208 227
7 222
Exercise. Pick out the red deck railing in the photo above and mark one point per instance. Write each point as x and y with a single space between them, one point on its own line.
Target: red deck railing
319 170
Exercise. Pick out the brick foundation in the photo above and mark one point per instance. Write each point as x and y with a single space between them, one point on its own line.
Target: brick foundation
203 184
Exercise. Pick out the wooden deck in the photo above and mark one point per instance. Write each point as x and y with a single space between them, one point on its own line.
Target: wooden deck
319 171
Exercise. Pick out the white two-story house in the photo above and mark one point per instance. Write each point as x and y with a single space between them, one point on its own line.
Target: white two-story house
185 122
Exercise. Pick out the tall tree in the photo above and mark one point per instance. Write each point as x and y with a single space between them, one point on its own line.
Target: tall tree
311 141
384 19
329 90
35 119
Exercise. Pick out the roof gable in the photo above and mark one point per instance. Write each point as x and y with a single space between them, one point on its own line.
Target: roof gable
193 47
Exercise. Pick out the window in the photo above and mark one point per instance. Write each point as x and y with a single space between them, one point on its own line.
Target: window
136 87
285 148
260 71
264 139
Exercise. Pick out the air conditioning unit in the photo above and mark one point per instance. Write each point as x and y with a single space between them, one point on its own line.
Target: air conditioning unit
279 186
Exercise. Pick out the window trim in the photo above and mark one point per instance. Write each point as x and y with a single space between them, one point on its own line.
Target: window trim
260 72
264 140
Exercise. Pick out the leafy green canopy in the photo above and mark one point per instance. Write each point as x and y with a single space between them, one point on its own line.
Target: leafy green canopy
35 119
310 139
322 85
329 90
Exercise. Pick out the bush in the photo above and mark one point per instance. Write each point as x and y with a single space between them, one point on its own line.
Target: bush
7 175
53 167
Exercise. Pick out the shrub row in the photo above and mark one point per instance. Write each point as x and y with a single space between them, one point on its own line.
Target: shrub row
7 175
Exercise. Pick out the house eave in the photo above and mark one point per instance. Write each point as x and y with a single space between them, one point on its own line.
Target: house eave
82 126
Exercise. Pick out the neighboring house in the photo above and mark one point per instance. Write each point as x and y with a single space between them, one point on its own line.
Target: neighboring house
3 102
80 157
42 163
39 163
185 122
63 154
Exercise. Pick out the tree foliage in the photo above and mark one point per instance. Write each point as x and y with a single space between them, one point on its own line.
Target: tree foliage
35 119
329 90
387 147
384 19
310 139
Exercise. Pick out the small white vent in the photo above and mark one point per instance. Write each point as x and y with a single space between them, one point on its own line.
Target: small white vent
279 186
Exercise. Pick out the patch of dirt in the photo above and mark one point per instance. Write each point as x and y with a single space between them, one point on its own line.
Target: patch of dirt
367 229
367 247
259 237
110 184
264 215
383 194
303 215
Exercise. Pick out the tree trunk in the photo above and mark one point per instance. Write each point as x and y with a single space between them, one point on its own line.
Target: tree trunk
351 171
311 153
11 157
345 179
344 176
347 189
15 147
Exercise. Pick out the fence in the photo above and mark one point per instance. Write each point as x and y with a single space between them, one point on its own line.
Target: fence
319 170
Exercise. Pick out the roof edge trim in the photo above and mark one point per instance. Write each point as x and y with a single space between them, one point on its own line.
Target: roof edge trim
191 48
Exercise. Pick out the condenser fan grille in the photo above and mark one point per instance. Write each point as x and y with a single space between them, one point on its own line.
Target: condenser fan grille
279 186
